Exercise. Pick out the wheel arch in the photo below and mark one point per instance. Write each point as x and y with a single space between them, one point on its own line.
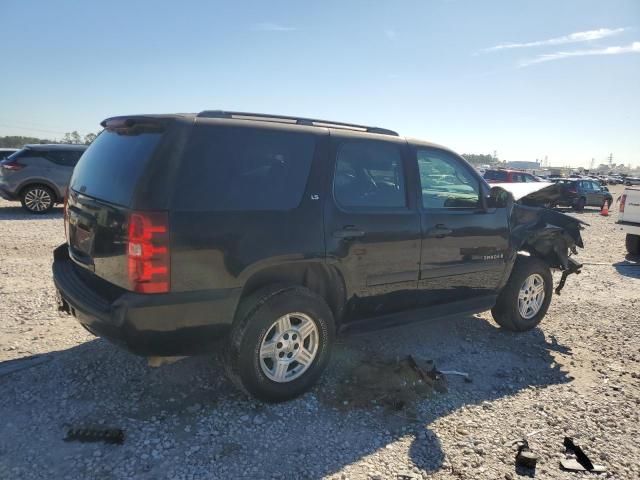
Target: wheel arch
40 181
325 281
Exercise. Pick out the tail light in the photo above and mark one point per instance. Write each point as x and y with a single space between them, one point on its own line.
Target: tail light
623 200
148 252
65 215
13 166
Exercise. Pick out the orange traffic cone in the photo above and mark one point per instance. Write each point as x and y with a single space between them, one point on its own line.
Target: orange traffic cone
605 210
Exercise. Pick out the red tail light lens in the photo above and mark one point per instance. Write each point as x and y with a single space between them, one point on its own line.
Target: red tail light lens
148 252
66 216
623 200
13 166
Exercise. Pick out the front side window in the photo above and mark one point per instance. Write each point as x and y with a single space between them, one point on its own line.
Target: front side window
446 182
369 175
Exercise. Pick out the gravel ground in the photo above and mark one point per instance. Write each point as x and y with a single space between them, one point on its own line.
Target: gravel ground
577 375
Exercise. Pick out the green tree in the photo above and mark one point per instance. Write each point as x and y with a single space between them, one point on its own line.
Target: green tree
479 159
89 137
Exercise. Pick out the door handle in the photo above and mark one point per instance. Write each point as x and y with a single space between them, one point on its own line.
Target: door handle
347 232
439 231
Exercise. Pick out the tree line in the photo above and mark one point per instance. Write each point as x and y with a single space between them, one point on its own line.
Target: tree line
480 159
18 141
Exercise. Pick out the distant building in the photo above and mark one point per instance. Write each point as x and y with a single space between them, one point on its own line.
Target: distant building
521 165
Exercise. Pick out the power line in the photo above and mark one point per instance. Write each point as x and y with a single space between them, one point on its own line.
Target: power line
31 129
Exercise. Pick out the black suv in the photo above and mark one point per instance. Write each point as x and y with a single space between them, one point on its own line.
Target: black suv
274 233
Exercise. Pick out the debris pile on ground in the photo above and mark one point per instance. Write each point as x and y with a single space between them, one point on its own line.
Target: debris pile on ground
392 384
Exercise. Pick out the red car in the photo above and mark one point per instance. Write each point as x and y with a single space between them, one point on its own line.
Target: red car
508 176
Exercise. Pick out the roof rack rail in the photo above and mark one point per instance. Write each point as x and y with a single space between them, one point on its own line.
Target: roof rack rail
294 121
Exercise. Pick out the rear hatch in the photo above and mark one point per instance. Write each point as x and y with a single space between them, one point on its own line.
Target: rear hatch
116 214
630 211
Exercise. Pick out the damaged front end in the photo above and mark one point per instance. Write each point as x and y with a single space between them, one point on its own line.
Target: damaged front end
548 234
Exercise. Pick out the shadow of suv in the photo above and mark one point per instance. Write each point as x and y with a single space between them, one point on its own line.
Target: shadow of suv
38 175
276 233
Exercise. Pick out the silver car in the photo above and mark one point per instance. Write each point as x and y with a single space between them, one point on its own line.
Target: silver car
38 175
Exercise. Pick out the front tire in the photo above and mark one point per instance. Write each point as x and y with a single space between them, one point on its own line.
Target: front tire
525 299
633 244
37 199
280 343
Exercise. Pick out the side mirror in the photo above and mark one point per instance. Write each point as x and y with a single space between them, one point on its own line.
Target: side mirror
498 198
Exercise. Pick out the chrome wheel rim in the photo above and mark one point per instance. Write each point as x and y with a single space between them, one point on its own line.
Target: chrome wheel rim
289 347
531 296
37 199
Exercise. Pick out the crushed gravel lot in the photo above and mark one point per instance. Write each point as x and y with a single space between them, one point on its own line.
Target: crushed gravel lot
577 375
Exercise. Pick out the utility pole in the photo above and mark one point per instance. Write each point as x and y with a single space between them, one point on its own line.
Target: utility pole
610 159
593 162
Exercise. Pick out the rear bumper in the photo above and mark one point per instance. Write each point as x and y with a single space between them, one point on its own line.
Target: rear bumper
630 227
150 325
7 194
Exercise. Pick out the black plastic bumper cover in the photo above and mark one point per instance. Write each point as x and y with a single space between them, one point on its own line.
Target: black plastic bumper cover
183 323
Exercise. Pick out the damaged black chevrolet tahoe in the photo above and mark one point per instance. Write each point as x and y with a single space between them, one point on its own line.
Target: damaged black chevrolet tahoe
264 236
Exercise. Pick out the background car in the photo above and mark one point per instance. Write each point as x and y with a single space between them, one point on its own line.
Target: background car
632 181
584 193
508 176
38 175
5 152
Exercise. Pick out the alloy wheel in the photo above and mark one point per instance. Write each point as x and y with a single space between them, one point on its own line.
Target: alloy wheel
38 200
531 296
289 347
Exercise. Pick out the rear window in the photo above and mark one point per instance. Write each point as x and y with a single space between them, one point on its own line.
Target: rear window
238 168
111 167
497 175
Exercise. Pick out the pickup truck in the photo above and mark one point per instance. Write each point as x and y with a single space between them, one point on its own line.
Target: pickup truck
629 218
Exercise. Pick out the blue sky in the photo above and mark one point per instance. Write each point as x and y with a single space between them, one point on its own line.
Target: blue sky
552 77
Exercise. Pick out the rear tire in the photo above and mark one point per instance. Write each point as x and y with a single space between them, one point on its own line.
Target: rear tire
519 307
292 323
580 204
37 199
633 244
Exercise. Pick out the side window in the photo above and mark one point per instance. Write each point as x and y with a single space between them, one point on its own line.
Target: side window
446 182
529 179
496 175
67 158
244 169
369 174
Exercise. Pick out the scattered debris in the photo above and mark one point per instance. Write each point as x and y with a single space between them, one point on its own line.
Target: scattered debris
392 384
107 435
581 462
536 432
525 457
464 375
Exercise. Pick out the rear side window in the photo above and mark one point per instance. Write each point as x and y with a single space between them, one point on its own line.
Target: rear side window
67 158
369 175
496 175
111 167
237 168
